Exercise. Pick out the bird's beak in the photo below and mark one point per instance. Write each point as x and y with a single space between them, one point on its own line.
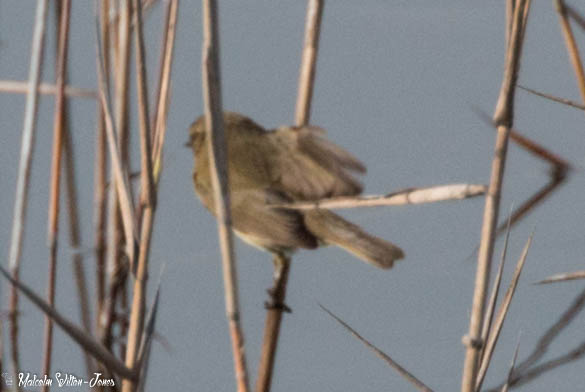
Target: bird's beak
187 144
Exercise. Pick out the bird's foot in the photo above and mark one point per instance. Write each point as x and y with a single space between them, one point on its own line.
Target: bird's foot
275 302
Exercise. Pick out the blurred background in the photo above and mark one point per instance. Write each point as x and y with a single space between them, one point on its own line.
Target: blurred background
398 84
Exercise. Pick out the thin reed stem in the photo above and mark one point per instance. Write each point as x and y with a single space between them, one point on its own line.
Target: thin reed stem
274 311
282 264
100 168
54 193
309 61
23 178
148 201
218 159
503 117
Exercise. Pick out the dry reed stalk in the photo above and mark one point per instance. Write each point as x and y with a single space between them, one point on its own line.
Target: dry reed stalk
558 173
526 371
518 380
510 5
564 277
120 35
162 92
72 202
99 212
148 202
146 342
159 121
410 196
166 30
503 117
535 199
553 332
54 192
393 364
121 178
274 311
281 263
218 160
309 61
75 241
13 86
85 340
23 178
500 318
572 47
511 368
577 17
550 97
489 313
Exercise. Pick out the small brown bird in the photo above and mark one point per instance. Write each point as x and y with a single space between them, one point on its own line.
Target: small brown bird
280 166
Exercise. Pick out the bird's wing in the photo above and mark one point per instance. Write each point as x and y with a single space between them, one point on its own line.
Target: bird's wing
275 229
309 167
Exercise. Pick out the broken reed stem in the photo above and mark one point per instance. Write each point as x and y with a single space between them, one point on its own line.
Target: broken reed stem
503 117
218 162
302 116
572 47
13 86
400 198
563 277
147 200
23 177
54 193
535 199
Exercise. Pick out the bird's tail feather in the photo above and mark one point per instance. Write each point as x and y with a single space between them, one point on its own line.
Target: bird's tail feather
333 229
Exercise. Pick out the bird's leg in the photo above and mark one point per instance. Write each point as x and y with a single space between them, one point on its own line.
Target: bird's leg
278 290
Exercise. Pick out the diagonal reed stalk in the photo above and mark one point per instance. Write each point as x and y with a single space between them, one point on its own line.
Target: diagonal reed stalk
54 192
281 263
503 117
80 336
385 357
494 334
572 47
218 160
23 178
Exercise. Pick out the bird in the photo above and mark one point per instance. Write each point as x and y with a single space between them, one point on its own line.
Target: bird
280 166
